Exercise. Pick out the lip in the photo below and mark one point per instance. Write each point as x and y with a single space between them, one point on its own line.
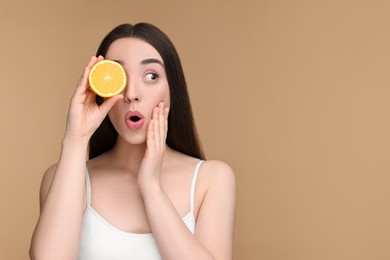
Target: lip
132 124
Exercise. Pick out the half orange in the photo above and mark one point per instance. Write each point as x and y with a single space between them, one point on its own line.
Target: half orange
107 78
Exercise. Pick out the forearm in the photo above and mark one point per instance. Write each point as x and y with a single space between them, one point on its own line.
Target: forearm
59 225
174 239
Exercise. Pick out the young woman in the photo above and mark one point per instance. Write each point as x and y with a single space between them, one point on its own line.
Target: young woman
146 191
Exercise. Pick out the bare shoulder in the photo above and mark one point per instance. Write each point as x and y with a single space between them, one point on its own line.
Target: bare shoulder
216 213
212 173
211 170
217 183
218 173
46 183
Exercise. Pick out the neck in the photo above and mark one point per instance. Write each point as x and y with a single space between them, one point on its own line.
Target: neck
127 156
130 156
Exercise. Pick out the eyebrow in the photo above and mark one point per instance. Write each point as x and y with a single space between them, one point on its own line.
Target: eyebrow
151 60
145 62
119 61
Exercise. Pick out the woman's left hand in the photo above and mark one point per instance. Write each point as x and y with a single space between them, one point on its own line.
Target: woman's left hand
149 172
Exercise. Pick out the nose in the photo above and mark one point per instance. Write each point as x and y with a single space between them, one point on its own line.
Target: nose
132 93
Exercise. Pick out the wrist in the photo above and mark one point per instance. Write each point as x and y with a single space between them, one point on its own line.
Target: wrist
75 140
70 141
74 149
150 189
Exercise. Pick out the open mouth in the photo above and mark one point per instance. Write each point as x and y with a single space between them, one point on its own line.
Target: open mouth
135 118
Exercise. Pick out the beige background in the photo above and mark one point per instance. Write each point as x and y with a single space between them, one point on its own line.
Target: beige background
293 94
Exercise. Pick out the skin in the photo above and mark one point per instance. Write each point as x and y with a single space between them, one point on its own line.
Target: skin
141 185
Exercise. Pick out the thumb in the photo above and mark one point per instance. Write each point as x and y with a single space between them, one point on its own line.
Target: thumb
109 103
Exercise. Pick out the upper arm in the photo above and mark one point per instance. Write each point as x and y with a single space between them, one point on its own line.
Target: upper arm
45 184
215 220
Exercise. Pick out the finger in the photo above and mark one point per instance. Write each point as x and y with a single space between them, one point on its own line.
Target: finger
106 106
156 117
150 135
162 122
82 85
100 58
166 114
83 81
92 61
151 130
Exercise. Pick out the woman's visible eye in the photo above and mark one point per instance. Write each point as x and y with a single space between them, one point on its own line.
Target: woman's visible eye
151 76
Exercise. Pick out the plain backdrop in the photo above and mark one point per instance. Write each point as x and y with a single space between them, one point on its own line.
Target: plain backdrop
293 94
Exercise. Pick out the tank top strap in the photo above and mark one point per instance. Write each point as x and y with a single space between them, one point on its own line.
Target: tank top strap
88 182
193 184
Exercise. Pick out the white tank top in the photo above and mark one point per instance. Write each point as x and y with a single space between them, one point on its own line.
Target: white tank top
101 240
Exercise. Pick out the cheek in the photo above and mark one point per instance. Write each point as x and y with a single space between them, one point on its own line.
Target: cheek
161 95
166 96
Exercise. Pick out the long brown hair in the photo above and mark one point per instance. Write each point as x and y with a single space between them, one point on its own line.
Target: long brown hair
182 135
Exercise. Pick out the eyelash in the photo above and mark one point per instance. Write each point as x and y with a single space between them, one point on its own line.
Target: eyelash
153 74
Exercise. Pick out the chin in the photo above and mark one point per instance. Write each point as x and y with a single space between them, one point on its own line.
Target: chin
136 142
135 139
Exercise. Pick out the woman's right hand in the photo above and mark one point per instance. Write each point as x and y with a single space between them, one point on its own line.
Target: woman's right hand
84 115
